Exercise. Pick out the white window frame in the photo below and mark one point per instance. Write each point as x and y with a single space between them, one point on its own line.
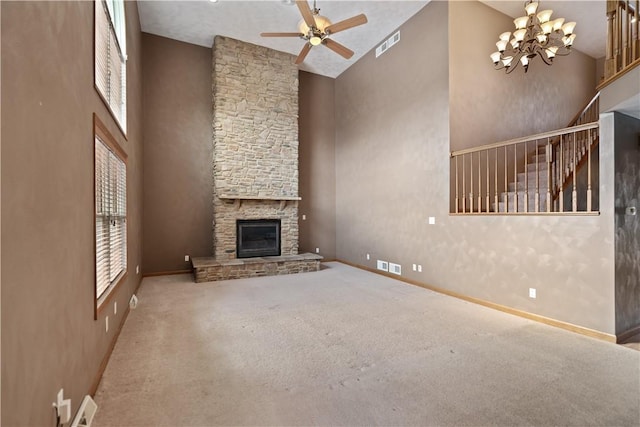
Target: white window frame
110 210
110 58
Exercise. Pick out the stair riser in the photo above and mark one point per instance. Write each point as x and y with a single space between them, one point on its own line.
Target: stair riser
531 167
531 208
532 187
542 208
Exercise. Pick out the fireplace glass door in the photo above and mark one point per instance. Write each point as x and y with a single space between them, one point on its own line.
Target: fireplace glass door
257 237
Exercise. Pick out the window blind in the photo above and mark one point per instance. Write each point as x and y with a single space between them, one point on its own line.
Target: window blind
110 57
111 216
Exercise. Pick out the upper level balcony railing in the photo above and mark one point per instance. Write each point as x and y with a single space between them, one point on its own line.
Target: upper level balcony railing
623 39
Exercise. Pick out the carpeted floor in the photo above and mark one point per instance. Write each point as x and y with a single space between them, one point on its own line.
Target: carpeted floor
348 347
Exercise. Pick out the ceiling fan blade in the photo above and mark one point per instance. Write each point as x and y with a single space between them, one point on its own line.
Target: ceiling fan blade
306 13
338 48
354 21
280 34
303 53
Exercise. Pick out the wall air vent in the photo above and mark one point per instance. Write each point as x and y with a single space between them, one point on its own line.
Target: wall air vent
383 265
395 38
395 268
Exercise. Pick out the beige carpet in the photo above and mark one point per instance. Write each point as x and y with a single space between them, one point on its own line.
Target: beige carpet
347 347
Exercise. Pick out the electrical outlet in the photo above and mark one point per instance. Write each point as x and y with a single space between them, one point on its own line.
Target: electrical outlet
304 217
317 250
532 292
432 220
137 269
419 268
115 307
63 407
368 257
415 267
186 258
106 324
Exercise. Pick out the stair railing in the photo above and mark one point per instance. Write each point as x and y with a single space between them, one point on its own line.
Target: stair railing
563 156
521 175
589 114
568 155
623 38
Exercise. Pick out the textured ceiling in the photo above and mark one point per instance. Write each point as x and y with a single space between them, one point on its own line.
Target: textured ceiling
197 22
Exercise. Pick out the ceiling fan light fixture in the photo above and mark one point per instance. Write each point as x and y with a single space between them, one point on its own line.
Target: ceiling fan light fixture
321 23
315 29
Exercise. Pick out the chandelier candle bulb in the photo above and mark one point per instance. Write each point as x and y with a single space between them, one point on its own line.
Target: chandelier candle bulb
551 52
531 8
547 27
495 57
568 41
567 28
519 35
505 36
521 22
545 16
501 44
557 24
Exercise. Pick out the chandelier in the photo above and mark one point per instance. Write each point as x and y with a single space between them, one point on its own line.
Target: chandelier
535 34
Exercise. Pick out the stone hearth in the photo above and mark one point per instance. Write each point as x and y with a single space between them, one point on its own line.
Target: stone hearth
208 269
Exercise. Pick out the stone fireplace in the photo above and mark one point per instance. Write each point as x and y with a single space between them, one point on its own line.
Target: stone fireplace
255 137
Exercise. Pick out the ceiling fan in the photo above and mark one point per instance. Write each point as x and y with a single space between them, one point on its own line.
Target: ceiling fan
316 29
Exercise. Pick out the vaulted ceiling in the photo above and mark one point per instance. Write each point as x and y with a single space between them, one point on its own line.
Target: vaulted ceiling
198 22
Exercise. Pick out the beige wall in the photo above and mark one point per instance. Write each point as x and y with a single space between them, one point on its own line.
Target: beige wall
489 106
178 152
50 339
392 174
317 164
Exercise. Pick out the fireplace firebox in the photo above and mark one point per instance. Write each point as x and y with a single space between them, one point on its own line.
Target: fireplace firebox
257 237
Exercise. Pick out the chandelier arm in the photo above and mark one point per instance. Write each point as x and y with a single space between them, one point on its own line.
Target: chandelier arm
543 55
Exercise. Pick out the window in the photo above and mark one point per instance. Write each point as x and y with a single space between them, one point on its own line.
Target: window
111 57
110 212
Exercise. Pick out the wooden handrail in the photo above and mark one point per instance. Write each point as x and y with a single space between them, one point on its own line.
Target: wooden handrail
550 134
593 100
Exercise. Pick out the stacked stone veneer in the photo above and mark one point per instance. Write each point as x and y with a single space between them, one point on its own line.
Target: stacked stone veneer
255 120
208 269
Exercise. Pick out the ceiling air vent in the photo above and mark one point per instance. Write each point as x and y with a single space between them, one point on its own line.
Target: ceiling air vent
388 43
